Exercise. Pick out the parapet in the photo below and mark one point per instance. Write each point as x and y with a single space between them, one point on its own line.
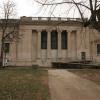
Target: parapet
24 18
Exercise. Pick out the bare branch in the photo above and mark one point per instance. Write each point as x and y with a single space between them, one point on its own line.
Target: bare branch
64 3
79 10
92 6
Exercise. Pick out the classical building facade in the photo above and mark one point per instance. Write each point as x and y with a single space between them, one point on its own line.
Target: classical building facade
47 40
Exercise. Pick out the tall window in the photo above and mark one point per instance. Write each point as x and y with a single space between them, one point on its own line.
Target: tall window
54 39
6 47
64 40
43 40
98 48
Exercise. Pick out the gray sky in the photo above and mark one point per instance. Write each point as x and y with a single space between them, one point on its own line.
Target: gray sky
31 8
25 7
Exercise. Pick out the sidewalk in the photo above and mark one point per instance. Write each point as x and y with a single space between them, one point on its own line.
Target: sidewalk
65 85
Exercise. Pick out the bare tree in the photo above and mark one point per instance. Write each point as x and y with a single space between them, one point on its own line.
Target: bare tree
82 6
8 25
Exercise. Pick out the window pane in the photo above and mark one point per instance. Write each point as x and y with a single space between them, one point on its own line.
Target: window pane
98 48
6 47
43 40
54 40
64 40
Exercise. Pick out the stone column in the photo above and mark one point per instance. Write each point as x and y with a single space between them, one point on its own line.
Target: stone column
49 44
69 43
39 44
59 44
79 44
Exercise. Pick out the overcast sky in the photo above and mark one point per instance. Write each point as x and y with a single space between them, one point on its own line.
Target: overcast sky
31 8
25 7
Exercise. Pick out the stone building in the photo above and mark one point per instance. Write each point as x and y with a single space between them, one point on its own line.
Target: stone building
47 40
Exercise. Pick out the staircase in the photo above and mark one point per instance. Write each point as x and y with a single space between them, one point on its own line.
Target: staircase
75 64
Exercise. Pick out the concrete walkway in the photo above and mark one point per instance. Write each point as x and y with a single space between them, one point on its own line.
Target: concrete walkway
65 85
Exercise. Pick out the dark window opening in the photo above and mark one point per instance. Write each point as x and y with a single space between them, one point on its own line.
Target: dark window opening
54 39
98 48
43 40
6 47
83 55
64 40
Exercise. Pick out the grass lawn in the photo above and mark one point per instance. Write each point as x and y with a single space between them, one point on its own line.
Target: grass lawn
24 83
90 74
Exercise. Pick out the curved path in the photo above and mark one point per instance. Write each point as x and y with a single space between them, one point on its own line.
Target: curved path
65 85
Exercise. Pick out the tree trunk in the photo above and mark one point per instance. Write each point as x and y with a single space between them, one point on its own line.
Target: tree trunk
2 51
98 14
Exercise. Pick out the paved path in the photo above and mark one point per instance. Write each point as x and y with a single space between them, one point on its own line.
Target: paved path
65 85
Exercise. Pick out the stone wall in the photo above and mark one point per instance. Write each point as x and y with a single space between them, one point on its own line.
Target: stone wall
27 50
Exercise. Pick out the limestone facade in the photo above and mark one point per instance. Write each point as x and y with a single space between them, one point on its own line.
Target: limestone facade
82 42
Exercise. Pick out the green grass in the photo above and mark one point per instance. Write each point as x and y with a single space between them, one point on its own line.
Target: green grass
24 83
90 74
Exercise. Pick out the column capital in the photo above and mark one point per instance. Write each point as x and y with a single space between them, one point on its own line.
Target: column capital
49 30
59 31
69 31
39 30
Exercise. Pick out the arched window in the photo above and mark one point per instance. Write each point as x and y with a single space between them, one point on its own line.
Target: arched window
43 40
64 39
54 39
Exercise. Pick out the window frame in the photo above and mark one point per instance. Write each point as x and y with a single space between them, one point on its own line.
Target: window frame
44 39
98 54
54 39
6 47
64 39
